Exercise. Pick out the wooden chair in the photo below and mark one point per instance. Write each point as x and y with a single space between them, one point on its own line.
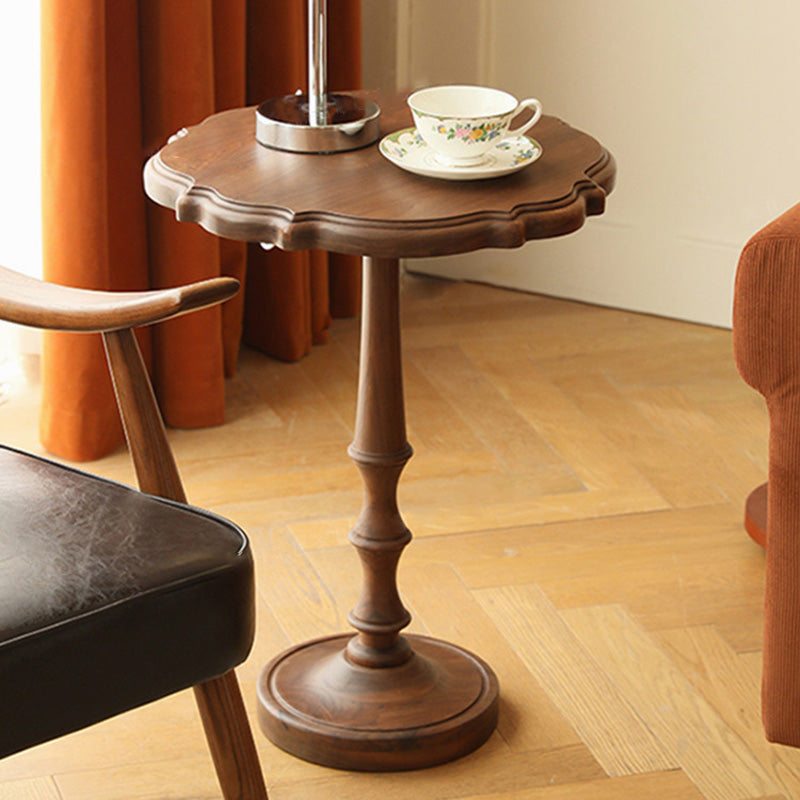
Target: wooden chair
110 597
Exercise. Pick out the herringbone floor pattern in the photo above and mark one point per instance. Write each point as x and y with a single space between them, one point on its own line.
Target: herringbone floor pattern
576 498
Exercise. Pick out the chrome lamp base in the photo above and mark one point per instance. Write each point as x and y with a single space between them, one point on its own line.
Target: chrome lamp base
350 122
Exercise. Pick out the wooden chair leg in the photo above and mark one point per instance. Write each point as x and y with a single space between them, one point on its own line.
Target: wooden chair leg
230 738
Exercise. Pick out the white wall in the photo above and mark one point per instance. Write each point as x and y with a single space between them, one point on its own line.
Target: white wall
699 100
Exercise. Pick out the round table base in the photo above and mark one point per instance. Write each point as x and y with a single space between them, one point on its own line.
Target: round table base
440 705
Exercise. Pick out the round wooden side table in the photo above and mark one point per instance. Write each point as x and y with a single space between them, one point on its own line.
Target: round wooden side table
376 699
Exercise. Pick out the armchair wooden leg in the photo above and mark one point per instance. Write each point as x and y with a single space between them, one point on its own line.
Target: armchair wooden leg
230 738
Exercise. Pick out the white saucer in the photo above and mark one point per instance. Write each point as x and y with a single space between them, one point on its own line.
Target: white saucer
408 150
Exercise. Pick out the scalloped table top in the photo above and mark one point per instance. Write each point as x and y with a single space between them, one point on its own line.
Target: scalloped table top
217 174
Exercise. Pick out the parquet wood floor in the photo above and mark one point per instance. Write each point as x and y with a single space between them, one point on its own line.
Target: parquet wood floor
576 498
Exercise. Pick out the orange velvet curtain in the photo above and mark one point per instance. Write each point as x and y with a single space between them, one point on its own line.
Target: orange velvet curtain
118 78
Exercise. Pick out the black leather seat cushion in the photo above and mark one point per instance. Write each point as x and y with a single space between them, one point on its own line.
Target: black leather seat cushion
109 598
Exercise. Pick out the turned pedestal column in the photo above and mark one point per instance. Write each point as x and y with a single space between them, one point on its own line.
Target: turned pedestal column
378 700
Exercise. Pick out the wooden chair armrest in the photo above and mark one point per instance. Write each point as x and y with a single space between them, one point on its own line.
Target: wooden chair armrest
36 303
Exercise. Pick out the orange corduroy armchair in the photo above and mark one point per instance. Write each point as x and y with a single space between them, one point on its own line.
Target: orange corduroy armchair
766 334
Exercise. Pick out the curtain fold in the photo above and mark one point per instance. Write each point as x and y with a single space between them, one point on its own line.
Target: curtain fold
118 78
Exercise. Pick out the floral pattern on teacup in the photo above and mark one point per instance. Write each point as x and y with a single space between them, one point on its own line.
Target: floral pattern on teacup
397 144
467 133
394 149
522 154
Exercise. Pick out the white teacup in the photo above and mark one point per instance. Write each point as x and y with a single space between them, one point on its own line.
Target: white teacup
462 123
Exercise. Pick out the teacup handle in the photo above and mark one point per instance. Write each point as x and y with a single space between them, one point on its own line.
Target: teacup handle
529 102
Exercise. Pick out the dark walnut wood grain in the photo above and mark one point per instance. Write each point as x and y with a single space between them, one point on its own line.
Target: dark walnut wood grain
437 706
219 176
376 700
28 301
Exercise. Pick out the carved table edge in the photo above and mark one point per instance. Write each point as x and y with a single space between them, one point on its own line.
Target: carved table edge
279 226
